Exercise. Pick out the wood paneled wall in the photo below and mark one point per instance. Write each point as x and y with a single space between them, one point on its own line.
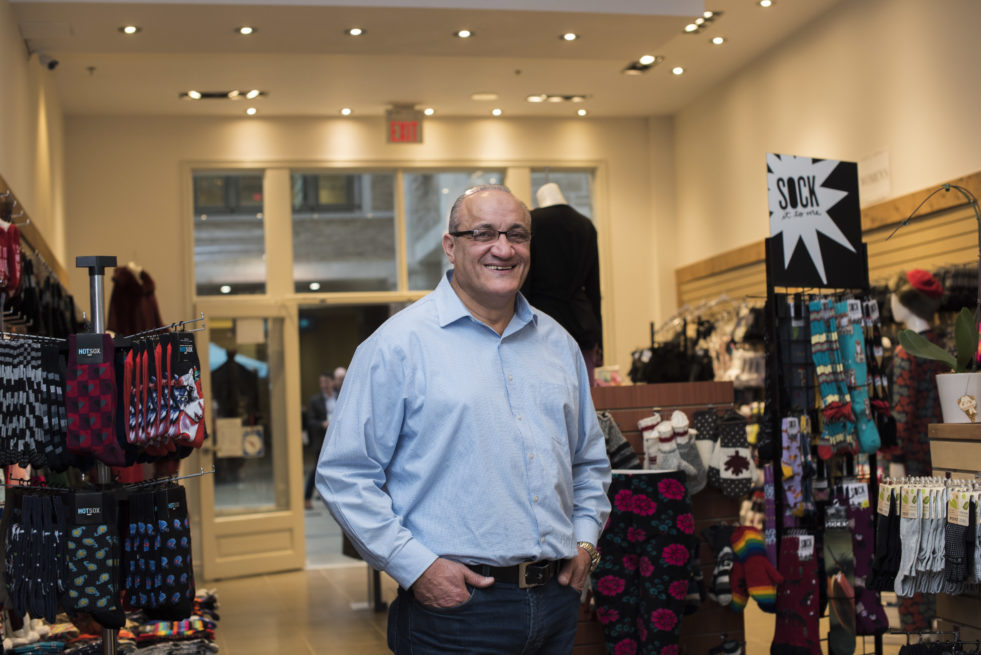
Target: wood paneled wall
943 233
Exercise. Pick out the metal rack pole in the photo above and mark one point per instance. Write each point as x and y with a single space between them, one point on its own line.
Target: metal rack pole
97 265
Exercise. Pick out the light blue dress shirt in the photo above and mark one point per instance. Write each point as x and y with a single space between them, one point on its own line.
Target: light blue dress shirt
449 440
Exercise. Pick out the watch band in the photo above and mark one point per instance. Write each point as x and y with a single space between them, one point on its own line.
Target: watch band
594 555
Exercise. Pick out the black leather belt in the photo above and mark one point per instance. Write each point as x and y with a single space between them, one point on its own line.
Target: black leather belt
525 575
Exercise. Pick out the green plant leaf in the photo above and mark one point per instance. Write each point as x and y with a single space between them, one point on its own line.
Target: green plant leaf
918 345
966 337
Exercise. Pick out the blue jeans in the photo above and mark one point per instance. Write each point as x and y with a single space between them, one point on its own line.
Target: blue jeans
499 620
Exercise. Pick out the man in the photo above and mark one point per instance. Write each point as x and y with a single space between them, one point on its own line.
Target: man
319 411
465 458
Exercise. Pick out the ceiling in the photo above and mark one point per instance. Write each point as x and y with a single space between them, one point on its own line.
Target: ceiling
302 58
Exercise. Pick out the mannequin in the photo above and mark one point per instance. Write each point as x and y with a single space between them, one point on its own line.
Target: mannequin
563 276
915 300
550 194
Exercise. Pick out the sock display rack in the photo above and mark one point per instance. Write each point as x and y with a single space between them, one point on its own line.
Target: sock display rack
778 404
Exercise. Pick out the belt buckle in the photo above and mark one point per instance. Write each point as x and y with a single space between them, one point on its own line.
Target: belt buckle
539 572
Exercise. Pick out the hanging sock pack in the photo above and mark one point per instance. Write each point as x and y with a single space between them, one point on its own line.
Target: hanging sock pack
851 347
92 550
838 427
734 459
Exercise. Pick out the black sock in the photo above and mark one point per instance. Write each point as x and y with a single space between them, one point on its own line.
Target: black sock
93 559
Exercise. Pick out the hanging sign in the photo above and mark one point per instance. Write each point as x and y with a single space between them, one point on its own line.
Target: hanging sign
814 209
403 125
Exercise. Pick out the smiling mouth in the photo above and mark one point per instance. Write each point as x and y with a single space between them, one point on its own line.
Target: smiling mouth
499 268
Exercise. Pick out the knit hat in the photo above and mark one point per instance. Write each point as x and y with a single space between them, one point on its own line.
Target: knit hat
919 292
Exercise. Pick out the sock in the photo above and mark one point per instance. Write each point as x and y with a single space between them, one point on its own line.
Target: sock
187 381
648 430
851 347
955 560
176 589
727 647
796 625
93 560
791 466
713 475
705 422
870 616
717 536
668 457
761 579
860 518
836 404
696 584
838 564
736 463
618 449
688 451
886 561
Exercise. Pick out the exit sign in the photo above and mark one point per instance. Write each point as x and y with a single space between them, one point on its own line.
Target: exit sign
403 126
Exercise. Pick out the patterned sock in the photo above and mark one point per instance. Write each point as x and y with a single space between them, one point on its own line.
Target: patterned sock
696 584
761 579
176 589
851 347
860 518
791 463
836 404
648 431
618 449
188 394
870 616
736 463
838 564
909 539
688 451
93 559
720 587
91 398
668 457
796 625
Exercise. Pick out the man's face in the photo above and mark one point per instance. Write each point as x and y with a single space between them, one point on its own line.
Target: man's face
339 374
489 273
326 384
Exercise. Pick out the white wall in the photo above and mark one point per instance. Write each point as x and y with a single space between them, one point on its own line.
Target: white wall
872 75
31 134
124 186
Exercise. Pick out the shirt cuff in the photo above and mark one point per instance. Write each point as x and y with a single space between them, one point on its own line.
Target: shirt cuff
587 530
409 563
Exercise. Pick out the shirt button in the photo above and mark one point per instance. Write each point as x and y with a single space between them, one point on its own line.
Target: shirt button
543 539
510 378
531 456
519 417
536 499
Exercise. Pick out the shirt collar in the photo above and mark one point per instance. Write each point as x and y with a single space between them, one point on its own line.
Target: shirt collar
449 307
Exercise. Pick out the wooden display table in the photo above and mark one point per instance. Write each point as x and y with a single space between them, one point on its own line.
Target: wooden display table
955 449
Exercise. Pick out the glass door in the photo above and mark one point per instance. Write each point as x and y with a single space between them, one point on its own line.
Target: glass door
251 511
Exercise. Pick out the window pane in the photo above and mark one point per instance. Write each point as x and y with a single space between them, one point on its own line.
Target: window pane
576 186
229 236
248 402
344 232
428 198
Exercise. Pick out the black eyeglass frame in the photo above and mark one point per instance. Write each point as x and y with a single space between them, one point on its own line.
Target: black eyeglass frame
508 234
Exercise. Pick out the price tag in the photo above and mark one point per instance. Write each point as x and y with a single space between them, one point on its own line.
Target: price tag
885 497
805 547
964 507
855 311
873 310
859 495
953 511
909 503
927 511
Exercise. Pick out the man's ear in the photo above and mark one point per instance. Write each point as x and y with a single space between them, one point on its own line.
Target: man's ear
449 243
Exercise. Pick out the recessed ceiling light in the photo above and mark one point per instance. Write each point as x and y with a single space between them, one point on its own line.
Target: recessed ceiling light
129 29
194 95
463 34
354 31
539 97
708 14
766 3
718 40
496 111
581 112
315 286
483 96
429 111
250 111
570 36
254 93
245 30
345 111
678 70
691 27
699 21
225 288
647 60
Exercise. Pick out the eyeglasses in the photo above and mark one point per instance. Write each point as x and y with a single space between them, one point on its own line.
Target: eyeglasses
488 235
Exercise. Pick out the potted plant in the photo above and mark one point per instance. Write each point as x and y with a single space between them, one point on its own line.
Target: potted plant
960 389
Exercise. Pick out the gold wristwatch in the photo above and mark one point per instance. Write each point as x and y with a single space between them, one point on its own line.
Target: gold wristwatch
594 555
